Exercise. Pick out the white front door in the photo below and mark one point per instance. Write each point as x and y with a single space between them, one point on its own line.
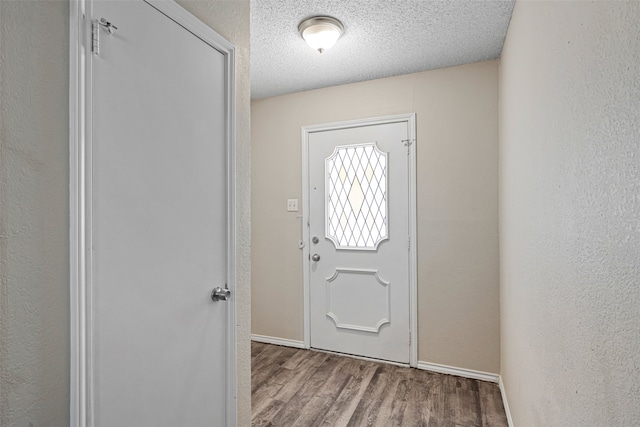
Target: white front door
359 232
159 223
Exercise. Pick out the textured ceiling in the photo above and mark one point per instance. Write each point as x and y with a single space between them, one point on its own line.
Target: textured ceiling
381 39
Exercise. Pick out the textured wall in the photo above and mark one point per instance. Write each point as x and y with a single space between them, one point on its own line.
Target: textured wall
570 213
34 261
457 127
34 224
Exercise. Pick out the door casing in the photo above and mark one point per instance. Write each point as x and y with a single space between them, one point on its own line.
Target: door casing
410 119
80 197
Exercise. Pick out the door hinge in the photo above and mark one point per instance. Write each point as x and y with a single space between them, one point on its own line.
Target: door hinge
408 143
95 33
409 243
95 37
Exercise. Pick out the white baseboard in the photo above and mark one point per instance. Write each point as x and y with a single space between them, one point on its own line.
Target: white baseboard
460 372
277 341
505 403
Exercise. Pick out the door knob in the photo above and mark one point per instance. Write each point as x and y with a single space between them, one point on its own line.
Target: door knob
220 294
315 257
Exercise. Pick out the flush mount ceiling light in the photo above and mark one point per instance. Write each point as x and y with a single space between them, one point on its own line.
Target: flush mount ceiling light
321 32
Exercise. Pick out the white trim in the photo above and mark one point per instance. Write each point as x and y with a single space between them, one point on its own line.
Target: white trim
305 238
413 236
410 119
80 173
278 341
505 403
80 402
192 24
459 372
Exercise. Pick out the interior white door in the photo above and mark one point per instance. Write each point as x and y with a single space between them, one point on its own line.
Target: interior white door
359 227
159 223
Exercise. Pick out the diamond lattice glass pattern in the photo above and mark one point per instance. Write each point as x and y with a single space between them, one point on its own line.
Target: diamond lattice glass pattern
356 196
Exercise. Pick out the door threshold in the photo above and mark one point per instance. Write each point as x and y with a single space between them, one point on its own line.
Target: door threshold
368 359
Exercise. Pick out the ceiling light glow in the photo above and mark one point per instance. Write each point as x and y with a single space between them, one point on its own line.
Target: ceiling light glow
321 32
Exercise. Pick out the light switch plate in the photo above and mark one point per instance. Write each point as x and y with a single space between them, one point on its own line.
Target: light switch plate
292 205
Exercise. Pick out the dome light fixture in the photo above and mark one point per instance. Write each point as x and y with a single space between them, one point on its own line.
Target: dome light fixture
321 32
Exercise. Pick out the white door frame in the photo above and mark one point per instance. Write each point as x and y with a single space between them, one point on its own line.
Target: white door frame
80 185
410 119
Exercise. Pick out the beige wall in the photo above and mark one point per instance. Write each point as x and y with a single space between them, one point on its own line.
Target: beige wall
570 213
457 116
34 225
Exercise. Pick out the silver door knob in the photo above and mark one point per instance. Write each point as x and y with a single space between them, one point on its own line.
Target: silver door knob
315 257
220 294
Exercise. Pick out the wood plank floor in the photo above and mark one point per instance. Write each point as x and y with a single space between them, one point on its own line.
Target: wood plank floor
292 387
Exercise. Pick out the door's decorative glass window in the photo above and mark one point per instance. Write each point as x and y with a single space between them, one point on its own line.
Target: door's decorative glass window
356 208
